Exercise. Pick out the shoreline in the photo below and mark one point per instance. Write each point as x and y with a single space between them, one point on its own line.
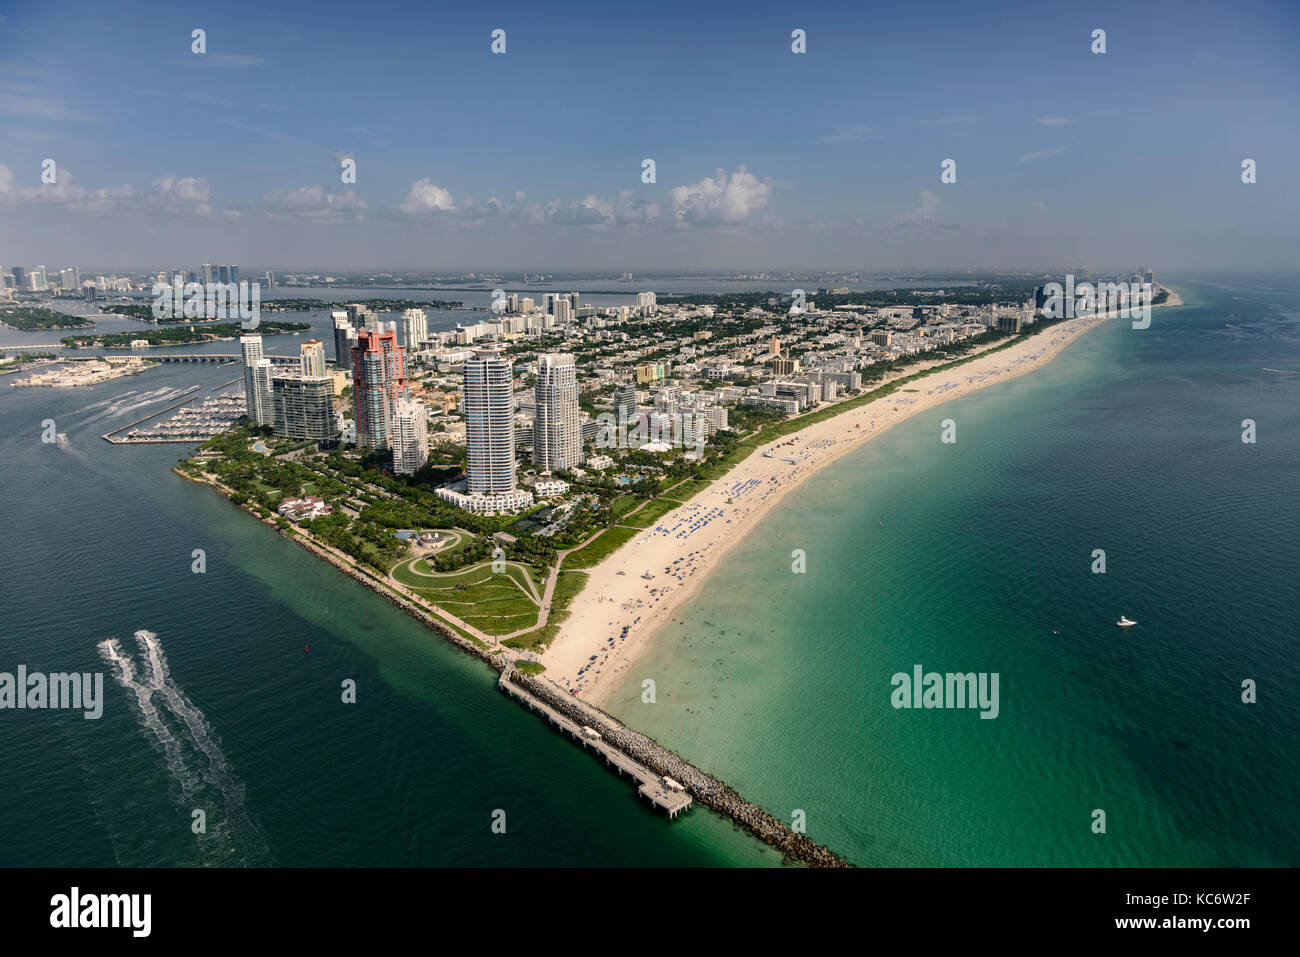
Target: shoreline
684 546
708 790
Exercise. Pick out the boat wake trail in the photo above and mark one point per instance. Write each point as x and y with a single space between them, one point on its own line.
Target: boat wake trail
193 756
124 672
95 405
130 402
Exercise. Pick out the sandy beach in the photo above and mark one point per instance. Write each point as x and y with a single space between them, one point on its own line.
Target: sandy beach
641 585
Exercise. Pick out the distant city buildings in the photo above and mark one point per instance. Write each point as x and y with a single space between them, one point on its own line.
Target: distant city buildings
562 310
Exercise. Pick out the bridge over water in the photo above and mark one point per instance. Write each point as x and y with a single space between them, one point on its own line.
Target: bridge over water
220 357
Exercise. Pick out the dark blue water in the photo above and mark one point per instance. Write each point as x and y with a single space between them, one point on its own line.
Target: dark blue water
97 544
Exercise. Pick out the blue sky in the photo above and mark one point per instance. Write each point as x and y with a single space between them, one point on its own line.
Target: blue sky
764 158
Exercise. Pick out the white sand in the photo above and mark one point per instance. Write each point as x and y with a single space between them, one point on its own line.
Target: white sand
617 595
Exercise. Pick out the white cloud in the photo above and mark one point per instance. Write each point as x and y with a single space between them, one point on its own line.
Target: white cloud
180 196
923 215
590 212
1041 154
167 195
1053 120
848 133
721 200
41 107
317 204
425 196
236 61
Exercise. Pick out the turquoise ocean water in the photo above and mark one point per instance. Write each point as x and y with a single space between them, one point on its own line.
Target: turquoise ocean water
962 557
977 557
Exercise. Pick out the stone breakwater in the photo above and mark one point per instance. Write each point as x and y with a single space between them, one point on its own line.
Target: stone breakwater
703 787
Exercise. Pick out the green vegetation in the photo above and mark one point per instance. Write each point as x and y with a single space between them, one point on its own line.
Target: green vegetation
35 319
17 361
494 603
987 293
378 305
568 585
610 540
198 332
651 513
135 311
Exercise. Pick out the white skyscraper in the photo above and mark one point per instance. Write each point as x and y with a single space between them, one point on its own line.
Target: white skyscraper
415 328
263 392
557 429
645 303
410 437
313 359
563 310
489 406
257 381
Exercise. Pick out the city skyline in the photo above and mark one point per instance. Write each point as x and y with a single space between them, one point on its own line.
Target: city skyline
763 157
660 437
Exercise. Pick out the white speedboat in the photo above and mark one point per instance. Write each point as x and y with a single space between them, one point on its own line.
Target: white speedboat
1124 621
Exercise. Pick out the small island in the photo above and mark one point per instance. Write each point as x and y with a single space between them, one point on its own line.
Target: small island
35 318
375 305
189 335
144 312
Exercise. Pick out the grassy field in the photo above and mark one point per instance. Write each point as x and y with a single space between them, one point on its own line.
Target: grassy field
462 539
623 504
567 587
595 553
495 603
686 490
651 513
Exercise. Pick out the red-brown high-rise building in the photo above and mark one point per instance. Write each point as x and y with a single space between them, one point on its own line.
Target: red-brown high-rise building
378 381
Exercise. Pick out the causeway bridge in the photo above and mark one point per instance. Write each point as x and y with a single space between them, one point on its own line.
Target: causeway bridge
663 792
219 357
